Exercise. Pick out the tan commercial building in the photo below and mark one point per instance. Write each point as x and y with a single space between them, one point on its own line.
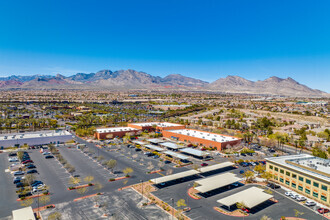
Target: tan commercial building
305 174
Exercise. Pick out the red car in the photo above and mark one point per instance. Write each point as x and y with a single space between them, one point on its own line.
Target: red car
204 164
27 161
245 210
203 149
323 210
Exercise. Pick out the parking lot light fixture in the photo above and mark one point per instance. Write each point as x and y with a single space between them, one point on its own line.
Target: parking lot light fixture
172 208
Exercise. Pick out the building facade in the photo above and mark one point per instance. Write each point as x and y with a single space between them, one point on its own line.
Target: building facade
202 138
305 174
109 133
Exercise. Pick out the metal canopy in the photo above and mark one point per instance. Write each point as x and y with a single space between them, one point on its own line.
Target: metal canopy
195 152
174 176
250 197
216 167
153 147
176 155
216 182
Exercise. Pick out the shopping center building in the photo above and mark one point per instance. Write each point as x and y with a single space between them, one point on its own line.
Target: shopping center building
305 174
156 126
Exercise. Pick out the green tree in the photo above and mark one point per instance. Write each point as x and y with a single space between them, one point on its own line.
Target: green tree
127 171
111 164
20 155
88 179
259 169
248 175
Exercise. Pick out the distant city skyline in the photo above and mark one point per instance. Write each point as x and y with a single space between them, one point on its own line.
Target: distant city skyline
201 39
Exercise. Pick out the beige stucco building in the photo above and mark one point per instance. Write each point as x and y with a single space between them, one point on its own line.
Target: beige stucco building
305 174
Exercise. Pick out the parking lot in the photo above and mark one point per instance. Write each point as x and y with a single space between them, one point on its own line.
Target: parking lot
204 207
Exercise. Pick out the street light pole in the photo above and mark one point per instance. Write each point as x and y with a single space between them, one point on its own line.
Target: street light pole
142 188
172 208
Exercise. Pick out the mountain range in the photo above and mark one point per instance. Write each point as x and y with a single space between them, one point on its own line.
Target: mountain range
131 79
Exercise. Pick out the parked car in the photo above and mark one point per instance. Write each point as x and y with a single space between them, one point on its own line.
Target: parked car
18 173
241 171
27 161
19 185
137 149
234 184
24 194
13 159
300 198
12 154
49 156
167 162
36 182
243 154
31 171
274 186
245 210
294 195
155 156
40 186
310 203
204 164
288 193
46 153
323 210
30 166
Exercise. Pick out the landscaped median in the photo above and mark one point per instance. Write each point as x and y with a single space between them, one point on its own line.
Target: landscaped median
192 193
44 208
85 197
156 171
118 178
235 213
31 197
81 186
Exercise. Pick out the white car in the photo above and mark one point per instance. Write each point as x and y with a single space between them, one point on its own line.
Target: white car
310 203
294 195
34 190
288 193
300 198
46 153
40 186
14 159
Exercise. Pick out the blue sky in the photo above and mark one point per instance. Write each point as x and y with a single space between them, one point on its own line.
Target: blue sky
202 39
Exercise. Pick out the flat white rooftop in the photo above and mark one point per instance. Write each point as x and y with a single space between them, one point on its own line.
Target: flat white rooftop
41 134
204 135
158 124
138 142
301 162
115 129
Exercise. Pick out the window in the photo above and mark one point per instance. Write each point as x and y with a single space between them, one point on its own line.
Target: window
301 178
287 173
270 167
307 191
276 169
300 188
316 195
316 184
324 198
324 187
308 181
276 177
281 180
294 176
287 182
293 185
282 171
